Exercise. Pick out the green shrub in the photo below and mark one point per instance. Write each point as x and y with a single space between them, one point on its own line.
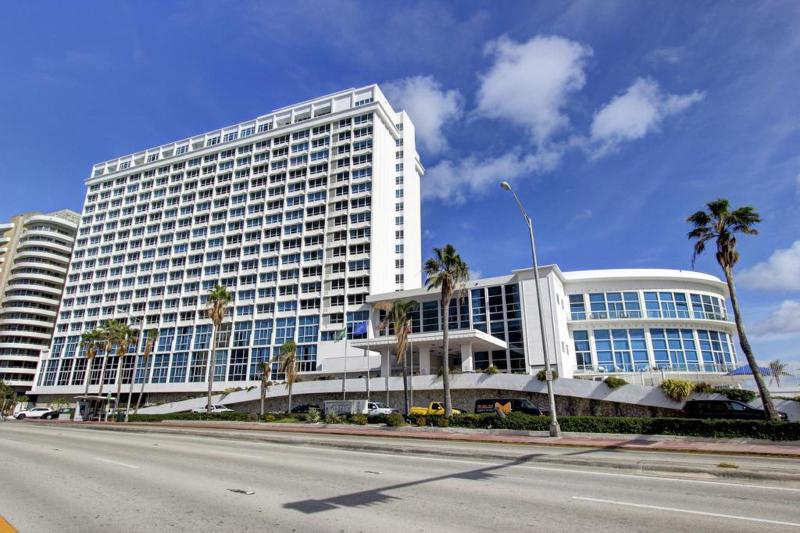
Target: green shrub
491 370
677 389
313 415
269 417
361 420
234 416
541 375
742 395
333 418
395 420
614 382
704 387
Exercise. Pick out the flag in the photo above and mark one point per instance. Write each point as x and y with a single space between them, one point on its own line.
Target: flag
360 328
340 335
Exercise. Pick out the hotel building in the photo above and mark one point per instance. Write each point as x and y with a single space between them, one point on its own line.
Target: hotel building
300 213
35 251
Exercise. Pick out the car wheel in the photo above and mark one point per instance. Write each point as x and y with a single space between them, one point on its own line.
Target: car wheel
20 417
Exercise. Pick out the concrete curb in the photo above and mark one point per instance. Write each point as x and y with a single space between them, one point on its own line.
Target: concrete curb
639 466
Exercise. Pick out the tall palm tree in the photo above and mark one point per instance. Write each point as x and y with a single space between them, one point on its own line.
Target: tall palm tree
90 340
289 366
149 346
218 300
125 336
719 224
107 339
397 316
447 272
266 373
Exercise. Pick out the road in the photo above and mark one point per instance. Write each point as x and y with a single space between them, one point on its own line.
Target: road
77 479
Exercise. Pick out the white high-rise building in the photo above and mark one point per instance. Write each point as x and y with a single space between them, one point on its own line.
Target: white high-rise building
35 251
300 213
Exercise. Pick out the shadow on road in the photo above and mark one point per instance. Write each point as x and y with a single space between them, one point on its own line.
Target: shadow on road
376 496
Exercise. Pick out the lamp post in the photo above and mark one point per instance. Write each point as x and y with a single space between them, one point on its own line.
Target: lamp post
555 429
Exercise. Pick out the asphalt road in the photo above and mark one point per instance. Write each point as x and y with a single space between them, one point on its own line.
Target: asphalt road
75 479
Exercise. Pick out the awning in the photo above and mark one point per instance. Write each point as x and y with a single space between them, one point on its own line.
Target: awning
478 339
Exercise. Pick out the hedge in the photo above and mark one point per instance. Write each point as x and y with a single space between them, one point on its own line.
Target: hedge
690 427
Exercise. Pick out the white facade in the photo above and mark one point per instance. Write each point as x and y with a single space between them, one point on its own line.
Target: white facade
35 251
596 323
301 213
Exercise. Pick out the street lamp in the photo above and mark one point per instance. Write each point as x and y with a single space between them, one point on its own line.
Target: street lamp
555 430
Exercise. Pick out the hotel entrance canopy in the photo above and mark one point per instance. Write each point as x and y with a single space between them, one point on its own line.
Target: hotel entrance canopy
479 340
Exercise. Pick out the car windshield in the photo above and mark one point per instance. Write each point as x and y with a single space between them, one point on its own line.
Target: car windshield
380 406
220 407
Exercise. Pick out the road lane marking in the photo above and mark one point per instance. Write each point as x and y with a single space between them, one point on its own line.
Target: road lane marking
575 471
109 461
687 511
5 527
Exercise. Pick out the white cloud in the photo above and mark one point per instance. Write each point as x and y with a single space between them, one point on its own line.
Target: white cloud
780 272
529 83
783 322
670 54
429 106
631 116
452 182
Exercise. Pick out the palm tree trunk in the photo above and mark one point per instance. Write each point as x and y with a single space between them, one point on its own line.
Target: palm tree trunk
448 404
290 399
406 399
263 397
130 388
211 365
141 390
766 399
102 375
119 383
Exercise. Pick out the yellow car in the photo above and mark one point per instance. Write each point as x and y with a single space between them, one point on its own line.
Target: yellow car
435 408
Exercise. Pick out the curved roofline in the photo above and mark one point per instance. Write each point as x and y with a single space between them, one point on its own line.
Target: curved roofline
641 273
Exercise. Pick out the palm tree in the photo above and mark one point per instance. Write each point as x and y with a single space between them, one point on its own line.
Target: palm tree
447 272
124 336
397 315
289 366
266 372
107 338
90 340
777 368
218 300
720 224
149 345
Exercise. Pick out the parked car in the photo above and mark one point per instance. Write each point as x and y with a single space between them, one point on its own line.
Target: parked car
56 413
214 409
434 408
378 408
35 412
506 405
732 409
303 408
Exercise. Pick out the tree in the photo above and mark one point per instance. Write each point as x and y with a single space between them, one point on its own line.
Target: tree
447 272
397 316
90 341
777 369
218 300
289 366
124 337
149 346
266 372
720 225
108 334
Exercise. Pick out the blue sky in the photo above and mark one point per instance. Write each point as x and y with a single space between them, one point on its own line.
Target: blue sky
613 120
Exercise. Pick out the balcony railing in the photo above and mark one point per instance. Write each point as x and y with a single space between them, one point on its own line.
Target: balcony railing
658 367
651 313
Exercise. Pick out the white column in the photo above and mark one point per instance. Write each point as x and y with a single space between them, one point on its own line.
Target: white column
467 364
424 360
386 363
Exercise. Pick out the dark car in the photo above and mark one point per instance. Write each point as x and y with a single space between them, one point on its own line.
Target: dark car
507 405
731 409
303 408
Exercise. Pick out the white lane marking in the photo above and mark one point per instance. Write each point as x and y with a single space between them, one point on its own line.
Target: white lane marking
575 471
687 511
109 461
